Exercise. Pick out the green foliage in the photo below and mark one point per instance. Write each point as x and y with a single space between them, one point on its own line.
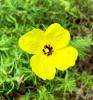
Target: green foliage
44 94
20 16
86 79
66 84
24 97
83 45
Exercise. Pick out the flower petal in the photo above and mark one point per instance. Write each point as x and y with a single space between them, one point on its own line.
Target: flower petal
33 41
57 36
66 58
43 66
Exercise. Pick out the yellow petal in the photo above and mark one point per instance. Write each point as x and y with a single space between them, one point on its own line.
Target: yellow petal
66 58
33 41
57 36
43 66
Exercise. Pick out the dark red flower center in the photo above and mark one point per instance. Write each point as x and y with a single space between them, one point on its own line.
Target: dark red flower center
48 50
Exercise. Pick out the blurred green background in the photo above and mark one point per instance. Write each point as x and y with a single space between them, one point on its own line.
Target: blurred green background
17 81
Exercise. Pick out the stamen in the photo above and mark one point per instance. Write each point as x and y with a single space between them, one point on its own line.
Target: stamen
48 50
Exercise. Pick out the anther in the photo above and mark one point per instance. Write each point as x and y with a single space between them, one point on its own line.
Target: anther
48 50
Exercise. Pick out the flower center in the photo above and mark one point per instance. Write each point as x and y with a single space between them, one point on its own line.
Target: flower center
48 50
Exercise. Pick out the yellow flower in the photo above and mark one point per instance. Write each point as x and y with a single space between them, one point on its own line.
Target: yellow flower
50 50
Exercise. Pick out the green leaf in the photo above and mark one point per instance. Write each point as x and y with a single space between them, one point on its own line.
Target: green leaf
83 45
